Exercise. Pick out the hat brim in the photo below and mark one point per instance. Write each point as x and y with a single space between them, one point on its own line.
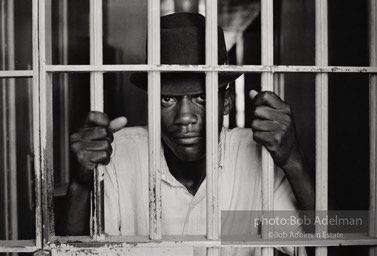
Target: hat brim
182 83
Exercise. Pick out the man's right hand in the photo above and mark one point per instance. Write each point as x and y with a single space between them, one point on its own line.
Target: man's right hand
91 145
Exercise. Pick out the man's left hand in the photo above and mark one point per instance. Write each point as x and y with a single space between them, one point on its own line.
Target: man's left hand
273 127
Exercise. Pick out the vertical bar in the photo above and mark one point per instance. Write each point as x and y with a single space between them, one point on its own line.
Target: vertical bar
96 104
213 223
64 115
240 86
9 120
45 118
12 123
154 121
36 125
321 115
267 85
373 122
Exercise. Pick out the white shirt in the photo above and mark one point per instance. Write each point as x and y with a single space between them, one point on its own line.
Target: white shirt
126 188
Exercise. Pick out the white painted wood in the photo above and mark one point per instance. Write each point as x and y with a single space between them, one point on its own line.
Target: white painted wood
45 118
211 58
154 121
79 243
267 85
321 94
36 124
96 104
212 68
15 73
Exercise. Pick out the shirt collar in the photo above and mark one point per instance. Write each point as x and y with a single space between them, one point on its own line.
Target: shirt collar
169 178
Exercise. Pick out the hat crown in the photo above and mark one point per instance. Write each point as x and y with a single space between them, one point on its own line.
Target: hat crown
183 40
183 43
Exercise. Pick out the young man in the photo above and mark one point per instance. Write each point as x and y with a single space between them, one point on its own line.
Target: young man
183 155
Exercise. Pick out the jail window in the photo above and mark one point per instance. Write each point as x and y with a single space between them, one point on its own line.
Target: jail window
62 59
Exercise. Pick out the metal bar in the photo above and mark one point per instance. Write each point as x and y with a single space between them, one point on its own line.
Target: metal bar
16 73
211 45
373 122
45 109
96 104
64 108
11 124
154 121
118 242
321 97
267 85
36 125
212 68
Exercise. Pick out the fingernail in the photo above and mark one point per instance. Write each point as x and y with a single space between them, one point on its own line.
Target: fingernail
253 93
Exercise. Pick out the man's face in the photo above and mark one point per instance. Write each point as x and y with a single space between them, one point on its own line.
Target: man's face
183 124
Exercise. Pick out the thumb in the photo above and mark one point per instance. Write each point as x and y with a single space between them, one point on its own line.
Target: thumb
252 94
118 123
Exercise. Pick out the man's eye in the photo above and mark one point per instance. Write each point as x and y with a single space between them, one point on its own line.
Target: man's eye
202 97
167 100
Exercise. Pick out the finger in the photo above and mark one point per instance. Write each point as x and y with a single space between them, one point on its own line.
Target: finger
264 125
93 133
270 99
96 118
268 113
90 159
96 145
118 123
99 157
252 94
263 138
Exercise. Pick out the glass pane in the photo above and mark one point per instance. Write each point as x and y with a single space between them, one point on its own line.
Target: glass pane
349 141
71 101
17 198
348 33
16 35
70 32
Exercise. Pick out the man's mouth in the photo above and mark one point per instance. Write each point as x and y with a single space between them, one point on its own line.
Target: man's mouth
187 140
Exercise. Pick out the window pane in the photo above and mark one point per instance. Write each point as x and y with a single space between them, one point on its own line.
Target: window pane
71 101
70 32
16 34
349 141
17 202
348 33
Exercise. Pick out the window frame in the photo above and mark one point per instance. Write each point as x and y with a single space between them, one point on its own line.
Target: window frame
42 129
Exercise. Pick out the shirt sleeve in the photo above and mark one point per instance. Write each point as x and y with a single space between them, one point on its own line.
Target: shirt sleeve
111 200
285 205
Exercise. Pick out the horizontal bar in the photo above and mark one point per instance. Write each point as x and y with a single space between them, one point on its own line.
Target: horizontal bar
212 68
17 246
15 73
84 242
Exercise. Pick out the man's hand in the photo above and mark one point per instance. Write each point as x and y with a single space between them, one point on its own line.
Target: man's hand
91 145
273 127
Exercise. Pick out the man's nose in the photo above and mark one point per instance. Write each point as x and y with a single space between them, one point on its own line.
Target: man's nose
185 114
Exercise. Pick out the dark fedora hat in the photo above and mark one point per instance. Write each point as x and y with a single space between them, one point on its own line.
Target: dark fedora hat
183 42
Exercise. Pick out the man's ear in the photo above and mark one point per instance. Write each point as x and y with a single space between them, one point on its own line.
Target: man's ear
228 100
